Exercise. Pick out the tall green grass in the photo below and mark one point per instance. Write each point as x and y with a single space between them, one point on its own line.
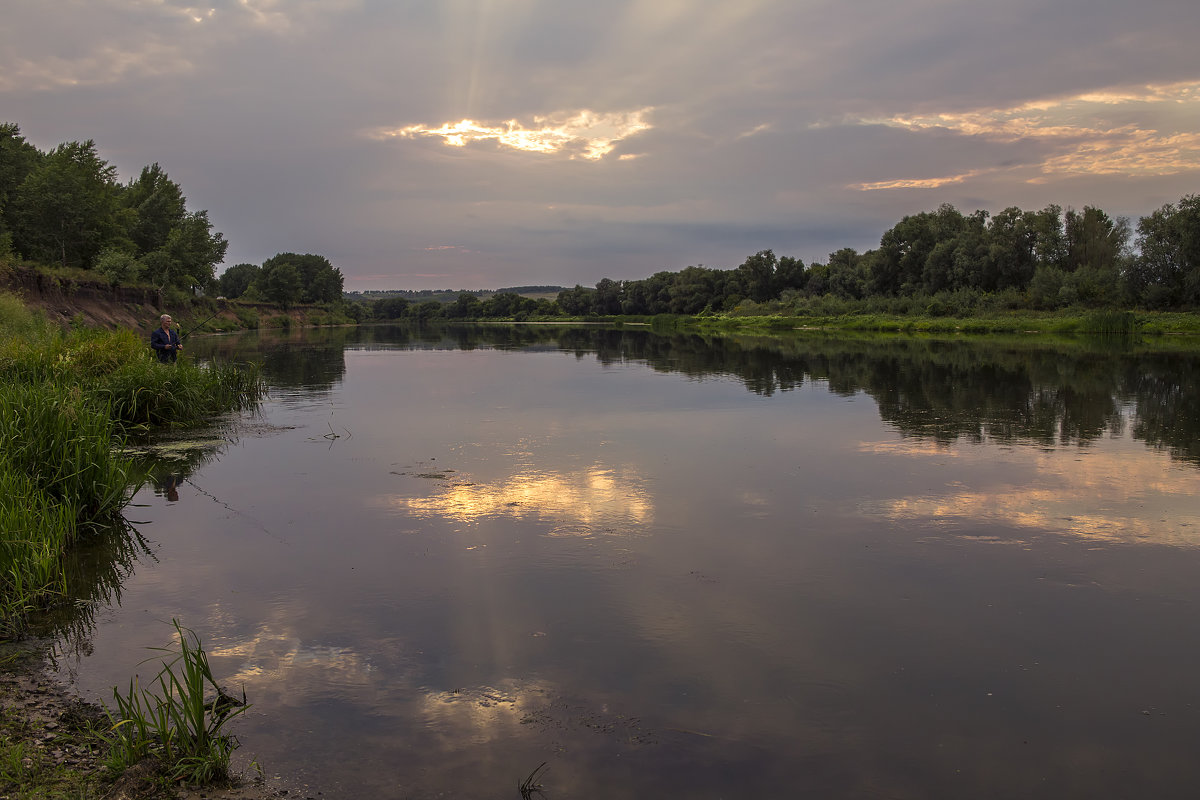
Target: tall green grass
173 719
68 399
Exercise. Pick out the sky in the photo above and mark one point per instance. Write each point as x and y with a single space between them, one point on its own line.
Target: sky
475 144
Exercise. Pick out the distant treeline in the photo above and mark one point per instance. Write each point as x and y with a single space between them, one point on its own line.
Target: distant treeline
945 262
65 207
939 263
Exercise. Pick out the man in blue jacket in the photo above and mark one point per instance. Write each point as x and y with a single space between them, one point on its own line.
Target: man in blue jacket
165 341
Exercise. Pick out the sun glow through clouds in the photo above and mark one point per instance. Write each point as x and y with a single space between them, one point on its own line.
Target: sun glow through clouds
580 134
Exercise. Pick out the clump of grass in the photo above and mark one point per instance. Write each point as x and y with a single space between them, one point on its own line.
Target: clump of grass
173 720
58 476
1109 322
145 394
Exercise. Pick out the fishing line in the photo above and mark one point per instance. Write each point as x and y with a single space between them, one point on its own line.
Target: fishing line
242 514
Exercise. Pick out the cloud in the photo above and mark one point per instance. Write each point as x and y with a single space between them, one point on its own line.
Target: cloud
1086 132
578 134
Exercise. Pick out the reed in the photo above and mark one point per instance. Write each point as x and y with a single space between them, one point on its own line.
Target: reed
173 720
68 399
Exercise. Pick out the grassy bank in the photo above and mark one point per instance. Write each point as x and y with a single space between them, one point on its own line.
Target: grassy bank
1060 323
68 400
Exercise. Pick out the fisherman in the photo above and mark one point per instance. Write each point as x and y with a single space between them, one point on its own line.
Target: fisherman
165 341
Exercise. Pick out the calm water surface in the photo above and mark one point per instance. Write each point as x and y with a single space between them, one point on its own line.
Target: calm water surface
687 567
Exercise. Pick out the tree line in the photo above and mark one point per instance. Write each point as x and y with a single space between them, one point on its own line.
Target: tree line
66 207
945 261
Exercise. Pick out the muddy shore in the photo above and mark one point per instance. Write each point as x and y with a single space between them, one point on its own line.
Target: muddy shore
49 730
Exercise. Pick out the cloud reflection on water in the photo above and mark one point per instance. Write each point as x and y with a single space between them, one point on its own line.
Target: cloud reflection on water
1103 497
586 502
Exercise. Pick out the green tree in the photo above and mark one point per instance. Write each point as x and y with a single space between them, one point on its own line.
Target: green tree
757 274
235 280
320 281
118 266
281 284
67 208
390 308
577 301
607 299
465 306
18 158
195 251
1166 271
158 206
1094 240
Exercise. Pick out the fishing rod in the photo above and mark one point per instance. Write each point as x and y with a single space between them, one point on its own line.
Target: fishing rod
201 325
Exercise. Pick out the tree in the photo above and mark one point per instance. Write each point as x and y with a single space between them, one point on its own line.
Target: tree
757 275
235 280
66 209
320 281
1093 240
158 206
118 266
18 158
390 308
845 275
1166 271
281 285
577 301
195 251
607 299
789 274
465 306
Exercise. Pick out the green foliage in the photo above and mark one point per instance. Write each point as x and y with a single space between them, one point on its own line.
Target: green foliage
281 285
67 398
65 207
173 720
235 280
118 266
290 278
1166 273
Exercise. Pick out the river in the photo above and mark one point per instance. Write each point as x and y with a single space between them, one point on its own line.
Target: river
684 566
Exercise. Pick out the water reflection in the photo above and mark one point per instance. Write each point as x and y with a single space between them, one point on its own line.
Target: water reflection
1057 495
971 389
692 566
594 500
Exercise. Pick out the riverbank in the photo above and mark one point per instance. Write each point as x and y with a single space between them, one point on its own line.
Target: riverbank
49 746
86 301
68 399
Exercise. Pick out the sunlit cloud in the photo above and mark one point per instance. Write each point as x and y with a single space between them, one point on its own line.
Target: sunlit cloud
1083 129
921 183
583 134
595 500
